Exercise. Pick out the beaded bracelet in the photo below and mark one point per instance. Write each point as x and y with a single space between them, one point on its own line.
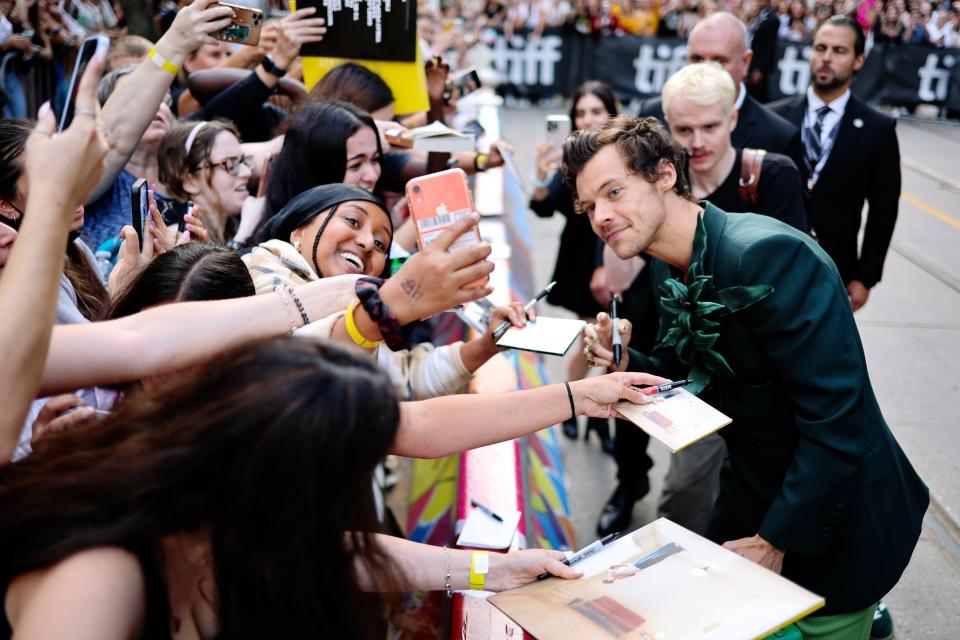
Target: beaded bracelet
296 301
395 336
447 584
288 308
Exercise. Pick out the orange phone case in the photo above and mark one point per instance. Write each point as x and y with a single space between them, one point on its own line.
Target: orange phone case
437 201
245 28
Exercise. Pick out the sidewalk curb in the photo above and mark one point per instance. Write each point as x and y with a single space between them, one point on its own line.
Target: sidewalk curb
944 528
913 165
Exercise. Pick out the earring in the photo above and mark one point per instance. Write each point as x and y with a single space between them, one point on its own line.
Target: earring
296 244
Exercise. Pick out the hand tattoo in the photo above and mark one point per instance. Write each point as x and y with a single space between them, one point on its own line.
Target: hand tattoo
412 288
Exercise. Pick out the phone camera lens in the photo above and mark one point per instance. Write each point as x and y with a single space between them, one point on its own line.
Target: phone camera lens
416 189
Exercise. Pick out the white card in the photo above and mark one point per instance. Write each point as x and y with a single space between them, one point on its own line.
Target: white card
544 335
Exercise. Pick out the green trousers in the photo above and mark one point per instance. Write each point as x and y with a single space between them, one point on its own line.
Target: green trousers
843 626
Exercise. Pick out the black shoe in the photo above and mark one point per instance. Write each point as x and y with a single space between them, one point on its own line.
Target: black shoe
602 427
618 512
570 428
882 624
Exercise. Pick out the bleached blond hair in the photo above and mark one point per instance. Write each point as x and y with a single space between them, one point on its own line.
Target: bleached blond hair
703 83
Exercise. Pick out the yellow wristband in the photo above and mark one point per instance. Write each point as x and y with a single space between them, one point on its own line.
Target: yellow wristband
479 568
162 62
354 332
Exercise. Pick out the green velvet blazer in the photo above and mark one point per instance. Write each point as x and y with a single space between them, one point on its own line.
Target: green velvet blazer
812 466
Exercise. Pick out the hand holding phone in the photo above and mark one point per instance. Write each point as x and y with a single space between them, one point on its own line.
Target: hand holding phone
140 211
437 201
437 279
69 164
245 26
91 46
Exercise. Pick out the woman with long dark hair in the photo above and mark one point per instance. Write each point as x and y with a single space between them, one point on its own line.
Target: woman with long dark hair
327 142
580 283
233 500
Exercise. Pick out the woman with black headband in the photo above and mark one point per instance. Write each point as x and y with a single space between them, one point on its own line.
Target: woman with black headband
339 230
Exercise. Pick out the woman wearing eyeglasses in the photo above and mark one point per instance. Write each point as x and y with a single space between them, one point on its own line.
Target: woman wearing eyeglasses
203 162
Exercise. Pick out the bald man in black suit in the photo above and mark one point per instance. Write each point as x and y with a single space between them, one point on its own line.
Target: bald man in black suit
722 38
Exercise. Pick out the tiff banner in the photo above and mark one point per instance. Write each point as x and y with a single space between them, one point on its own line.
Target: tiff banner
555 63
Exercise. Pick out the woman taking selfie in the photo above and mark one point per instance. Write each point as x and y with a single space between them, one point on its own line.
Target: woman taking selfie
343 230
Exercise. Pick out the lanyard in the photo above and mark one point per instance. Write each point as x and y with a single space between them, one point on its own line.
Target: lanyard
805 131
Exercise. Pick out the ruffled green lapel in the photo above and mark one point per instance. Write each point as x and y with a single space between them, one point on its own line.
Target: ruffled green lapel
695 309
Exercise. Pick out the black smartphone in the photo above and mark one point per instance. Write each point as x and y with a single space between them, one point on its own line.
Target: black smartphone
139 208
91 45
467 82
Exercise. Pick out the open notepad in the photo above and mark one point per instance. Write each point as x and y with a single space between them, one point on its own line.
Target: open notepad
661 581
481 531
552 336
677 419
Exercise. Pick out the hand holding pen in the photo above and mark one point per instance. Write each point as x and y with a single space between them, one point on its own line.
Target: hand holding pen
502 328
585 553
598 340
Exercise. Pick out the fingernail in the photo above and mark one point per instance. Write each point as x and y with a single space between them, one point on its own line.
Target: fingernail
186 235
45 110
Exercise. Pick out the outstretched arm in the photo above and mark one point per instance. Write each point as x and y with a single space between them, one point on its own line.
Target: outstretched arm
441 426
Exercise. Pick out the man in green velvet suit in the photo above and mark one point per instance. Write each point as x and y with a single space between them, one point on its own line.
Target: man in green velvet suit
815 486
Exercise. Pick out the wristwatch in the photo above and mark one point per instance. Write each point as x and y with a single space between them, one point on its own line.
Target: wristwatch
270 67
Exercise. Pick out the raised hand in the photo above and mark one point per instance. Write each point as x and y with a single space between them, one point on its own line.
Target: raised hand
598 342
132 258
595 397
68 165
436 280
548 159
296 30
192 27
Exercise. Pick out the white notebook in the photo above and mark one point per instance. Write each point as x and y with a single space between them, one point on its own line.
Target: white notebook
552 336
481 531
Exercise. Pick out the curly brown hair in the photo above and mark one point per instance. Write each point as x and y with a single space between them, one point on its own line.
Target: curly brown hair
643 143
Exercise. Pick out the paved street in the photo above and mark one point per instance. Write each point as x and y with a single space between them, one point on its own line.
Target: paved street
911 334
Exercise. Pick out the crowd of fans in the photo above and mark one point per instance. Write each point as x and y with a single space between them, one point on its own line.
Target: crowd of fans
38 37
909 21
160 429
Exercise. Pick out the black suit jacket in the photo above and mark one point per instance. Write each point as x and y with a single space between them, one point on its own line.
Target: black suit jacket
757 127
864 166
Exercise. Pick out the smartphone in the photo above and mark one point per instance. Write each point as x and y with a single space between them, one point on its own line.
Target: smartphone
557 129
438 200
139 209
90 47
466 82
246 26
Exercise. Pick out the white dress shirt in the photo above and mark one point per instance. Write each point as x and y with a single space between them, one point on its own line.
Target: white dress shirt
832 119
